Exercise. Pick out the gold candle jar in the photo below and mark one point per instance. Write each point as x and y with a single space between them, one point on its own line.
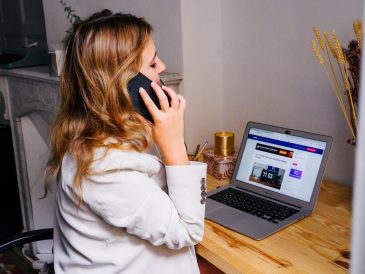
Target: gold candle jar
224 143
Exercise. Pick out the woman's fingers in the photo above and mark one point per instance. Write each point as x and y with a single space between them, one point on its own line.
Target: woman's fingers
177 102
162 97
152 108
182 103
174 99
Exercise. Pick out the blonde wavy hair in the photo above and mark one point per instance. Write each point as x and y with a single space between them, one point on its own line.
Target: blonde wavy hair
102 54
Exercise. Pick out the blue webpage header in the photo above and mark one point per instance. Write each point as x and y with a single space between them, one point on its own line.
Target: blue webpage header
286 144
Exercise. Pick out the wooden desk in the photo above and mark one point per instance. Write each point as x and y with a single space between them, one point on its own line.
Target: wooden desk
319 243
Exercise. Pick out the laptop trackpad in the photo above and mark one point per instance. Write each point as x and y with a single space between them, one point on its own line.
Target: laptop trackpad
226 215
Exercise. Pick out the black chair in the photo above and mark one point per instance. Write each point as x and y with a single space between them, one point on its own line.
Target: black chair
28 237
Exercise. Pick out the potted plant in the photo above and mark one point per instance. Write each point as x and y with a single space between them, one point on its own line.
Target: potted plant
343 71
56 56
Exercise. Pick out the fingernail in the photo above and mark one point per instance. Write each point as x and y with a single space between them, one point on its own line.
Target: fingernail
141 89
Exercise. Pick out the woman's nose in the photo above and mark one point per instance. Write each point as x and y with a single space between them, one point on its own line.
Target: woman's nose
161 66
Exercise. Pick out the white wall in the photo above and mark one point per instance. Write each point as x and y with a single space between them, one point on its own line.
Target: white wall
163 15
256 63
270 74
202 69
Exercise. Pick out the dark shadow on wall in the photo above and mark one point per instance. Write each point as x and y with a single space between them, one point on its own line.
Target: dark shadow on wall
10 212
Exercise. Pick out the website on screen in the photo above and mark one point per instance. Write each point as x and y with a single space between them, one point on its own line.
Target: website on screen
282 163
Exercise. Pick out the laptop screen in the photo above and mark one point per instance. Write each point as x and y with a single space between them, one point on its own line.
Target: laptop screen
281 163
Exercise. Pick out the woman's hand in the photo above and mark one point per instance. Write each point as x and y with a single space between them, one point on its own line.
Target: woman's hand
168 124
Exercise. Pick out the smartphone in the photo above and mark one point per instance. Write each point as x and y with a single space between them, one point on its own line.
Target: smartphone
134 84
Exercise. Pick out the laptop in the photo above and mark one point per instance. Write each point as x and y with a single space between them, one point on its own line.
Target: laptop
275 182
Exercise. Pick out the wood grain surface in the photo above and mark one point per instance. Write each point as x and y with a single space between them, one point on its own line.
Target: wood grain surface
319 243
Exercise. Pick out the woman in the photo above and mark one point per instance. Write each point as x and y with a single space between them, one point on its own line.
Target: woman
120 209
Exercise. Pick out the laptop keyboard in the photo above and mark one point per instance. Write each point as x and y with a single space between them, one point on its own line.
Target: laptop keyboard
265 209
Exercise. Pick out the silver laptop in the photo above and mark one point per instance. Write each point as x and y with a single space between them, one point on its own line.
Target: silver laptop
275 182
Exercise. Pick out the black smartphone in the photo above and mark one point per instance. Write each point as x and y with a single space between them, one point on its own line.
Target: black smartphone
134 84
